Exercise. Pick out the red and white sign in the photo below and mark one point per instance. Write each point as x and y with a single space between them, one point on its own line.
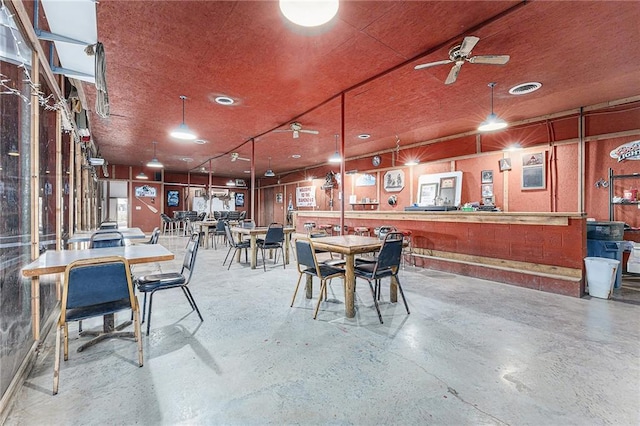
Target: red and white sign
628 151
306 196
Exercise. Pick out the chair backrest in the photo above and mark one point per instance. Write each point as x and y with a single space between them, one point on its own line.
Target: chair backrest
154 236
243 214
108 225
227 230
190 255
201 216
220 226
275 234
109 238
94 287
305 255
248 224
216 215
391 252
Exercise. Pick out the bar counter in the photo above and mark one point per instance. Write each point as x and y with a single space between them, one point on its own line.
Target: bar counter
542 251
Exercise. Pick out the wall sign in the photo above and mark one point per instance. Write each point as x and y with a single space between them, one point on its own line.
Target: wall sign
306 196
145 191
628 151
393 180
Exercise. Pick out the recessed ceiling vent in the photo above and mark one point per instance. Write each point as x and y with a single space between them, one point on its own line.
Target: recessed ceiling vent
525 88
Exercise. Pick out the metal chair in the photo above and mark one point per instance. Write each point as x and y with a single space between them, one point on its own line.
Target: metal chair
155 234
274 239
308 265
106 238
235 246
94 288
168 224
219 232
386 265
152 283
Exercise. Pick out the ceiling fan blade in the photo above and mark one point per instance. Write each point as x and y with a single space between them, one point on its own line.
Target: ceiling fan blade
468 44
313 132
282 130
490 59
453 74
432 64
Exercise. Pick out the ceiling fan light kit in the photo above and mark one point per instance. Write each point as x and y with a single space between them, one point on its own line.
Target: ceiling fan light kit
309 13
493 122
183 131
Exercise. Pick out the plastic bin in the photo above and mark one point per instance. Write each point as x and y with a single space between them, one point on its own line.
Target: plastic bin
609 250
601 273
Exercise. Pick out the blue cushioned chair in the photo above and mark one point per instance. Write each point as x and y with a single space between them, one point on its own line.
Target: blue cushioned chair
106 238
93 288
386 265
308 265
234 245
152 283
273 240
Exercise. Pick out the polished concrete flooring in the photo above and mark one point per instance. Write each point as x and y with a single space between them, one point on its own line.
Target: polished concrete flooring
471 352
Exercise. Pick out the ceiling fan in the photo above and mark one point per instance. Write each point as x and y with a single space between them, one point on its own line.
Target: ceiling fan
459 53
296 128
235 156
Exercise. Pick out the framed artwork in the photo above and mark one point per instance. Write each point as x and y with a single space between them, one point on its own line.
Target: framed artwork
488 201
428 194
239 199
448 182
145 191
366 180
448 190
173 198
505 164
486 176
533 171
279 198
393 180
487 190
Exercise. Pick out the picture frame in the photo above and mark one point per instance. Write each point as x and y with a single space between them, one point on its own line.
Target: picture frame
447 183
241 182
486 176
428 194
173 198
279 197
505 164
393 180
239 199
534 171
487 190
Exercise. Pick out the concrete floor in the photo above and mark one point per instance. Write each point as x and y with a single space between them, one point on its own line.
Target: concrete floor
471 352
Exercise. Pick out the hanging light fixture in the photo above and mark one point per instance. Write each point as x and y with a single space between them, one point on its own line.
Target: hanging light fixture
493 122
309 13
142 176
154 163
269 172
13 151
183 131
336 157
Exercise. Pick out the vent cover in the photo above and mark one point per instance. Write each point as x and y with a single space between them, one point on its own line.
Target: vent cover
524 88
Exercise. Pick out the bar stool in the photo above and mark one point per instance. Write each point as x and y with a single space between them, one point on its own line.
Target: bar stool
326 228
362 231
336 230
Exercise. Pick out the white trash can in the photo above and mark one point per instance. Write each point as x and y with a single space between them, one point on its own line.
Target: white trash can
601 275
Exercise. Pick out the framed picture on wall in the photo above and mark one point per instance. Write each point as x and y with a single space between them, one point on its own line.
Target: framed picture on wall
487 190
428 194
533 171
173 198
505 164
239 199
486 176
279 198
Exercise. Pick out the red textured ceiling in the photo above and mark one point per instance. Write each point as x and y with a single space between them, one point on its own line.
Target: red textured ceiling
156 51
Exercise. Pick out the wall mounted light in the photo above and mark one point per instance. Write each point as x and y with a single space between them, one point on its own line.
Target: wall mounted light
309 13
154 163
493 122
183 131
336 157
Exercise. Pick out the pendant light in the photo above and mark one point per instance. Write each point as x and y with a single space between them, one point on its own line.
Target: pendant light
493 122
183 131
141 176
309 13
154 163
336 157
13 151
269 172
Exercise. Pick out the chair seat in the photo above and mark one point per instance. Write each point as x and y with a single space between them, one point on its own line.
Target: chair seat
362 260
270 245
365 270
325 270
335 262
76 314
151 282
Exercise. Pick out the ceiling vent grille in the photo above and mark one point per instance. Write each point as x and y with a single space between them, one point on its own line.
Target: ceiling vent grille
525 88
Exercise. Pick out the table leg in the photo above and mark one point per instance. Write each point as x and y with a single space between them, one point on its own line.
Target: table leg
309 286
254 251
350 278
35 307
287 241
393 290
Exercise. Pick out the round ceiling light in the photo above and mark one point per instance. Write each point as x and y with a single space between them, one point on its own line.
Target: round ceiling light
296 156
524 88
224 100
309 13
187 159
364 136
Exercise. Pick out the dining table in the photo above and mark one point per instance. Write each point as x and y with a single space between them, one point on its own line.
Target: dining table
127 234
253 234
205 227
56 261
350 246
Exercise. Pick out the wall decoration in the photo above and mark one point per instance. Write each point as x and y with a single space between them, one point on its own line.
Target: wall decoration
145 191
393 180
241 182
279 198
428 194
533 171
239 199
366 180
627 151
173 198
306 196
505 164
486 176
447 193
487 190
